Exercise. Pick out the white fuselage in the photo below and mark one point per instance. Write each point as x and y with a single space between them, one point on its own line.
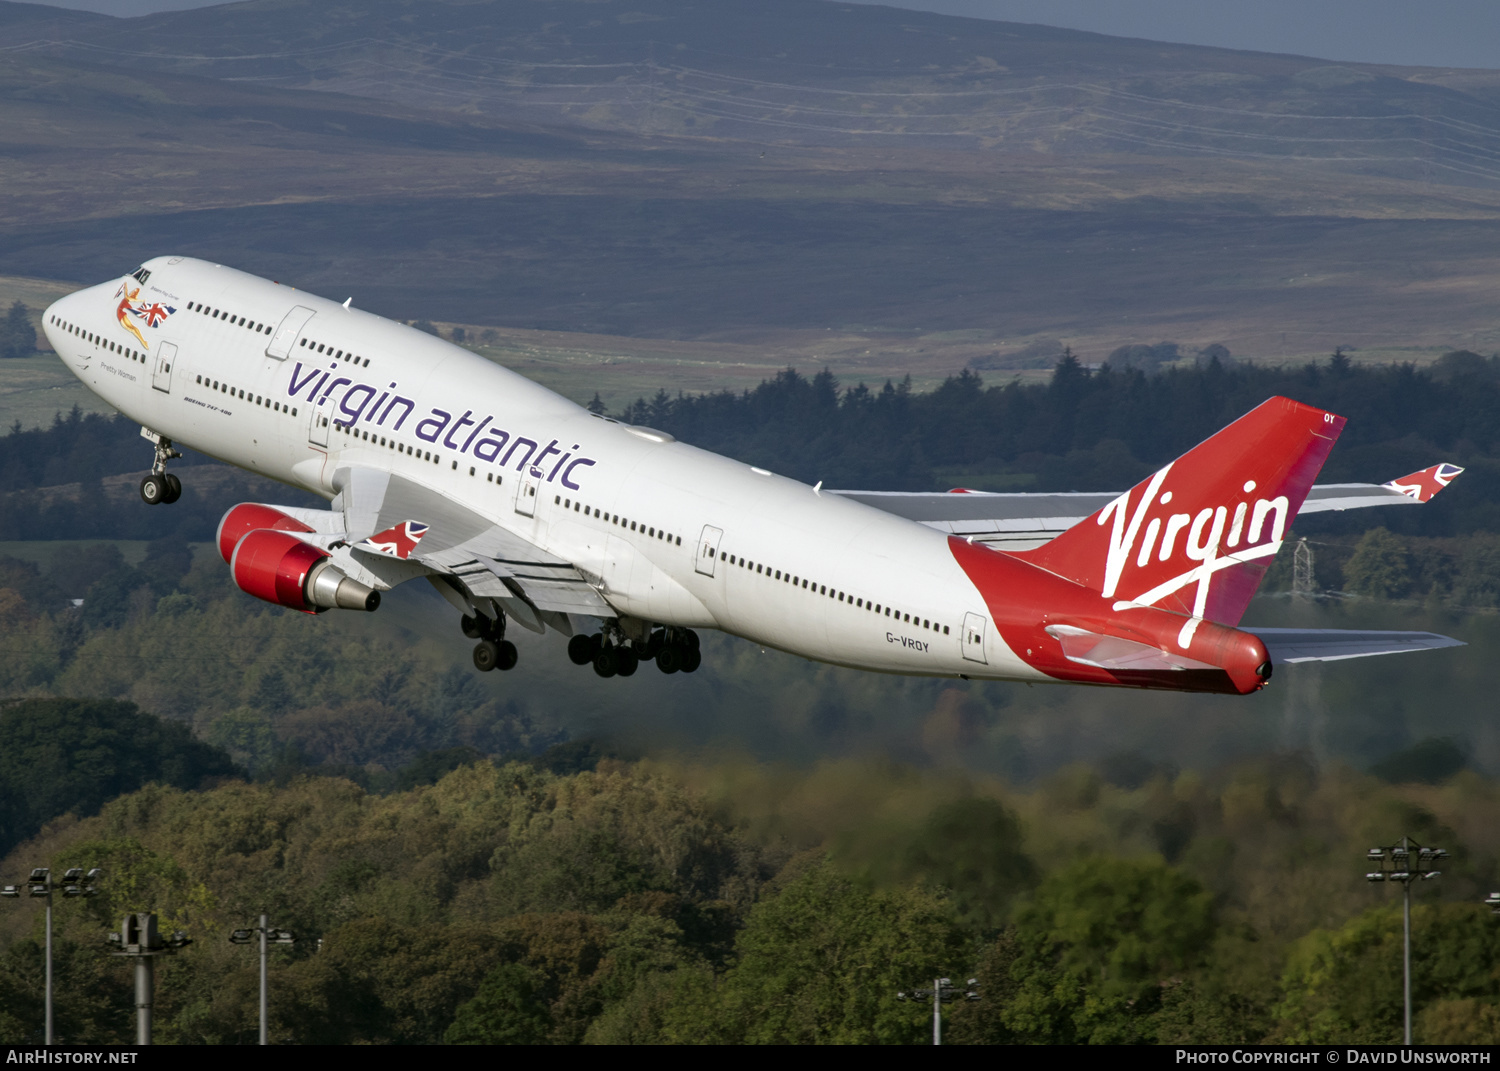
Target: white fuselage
295 387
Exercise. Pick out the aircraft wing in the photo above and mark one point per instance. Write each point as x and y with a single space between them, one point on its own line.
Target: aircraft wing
1021 521
1333 644
393 529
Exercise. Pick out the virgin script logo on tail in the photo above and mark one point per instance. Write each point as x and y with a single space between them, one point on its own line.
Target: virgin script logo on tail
1201 543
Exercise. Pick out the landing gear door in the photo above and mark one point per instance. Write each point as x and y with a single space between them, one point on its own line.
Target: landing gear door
317 427
527 490
287 333
708 549
161 372
974 638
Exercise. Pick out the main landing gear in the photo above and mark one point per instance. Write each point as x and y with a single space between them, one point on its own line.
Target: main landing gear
493 651
674 649
161 486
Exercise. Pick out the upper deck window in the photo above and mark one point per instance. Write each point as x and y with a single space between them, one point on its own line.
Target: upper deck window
140 275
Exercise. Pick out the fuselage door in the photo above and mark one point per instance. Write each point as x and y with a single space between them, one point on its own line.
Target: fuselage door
527 490
286 335
708 549
317 428
161 371
974 638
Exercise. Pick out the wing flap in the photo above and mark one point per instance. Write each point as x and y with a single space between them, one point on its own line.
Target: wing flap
1289 645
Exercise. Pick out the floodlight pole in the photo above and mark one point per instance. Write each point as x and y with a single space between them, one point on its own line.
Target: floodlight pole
1406 956
265 955
1405 862
47 1032
144 999
942 990
140 940
41 886
268 937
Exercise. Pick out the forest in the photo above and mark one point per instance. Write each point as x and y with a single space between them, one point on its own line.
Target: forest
771 850
577 898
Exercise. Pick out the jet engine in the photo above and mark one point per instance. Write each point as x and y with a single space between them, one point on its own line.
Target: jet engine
247 517
278 567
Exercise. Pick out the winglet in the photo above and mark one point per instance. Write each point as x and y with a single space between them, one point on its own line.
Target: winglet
397 541
1426 483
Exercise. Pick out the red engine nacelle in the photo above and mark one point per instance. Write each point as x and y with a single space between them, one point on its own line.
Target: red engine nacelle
247 517
280 568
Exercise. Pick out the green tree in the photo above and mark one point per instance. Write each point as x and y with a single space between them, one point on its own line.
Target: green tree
509 1009
1094 944
17 336
71 755
1344 985
381 981
1380 567
821 963
972 848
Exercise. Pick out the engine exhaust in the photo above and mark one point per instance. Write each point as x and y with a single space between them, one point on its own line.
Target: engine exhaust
329 589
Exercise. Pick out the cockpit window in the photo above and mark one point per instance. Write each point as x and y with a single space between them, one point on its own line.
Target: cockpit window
141 275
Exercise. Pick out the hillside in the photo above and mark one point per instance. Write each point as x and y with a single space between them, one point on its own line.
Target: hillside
928 191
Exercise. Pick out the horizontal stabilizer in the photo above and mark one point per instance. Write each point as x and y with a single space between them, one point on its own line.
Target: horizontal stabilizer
1332 644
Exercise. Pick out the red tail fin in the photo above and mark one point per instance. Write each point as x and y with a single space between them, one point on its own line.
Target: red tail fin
1199 534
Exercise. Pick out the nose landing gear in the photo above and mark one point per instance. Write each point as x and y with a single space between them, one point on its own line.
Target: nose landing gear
493 651
160 486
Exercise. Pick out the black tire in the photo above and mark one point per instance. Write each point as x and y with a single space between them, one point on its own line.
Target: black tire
471 627
654 644
690 639
507 655
607 662
153 490
174 489
581 650
486 655
596 644
692 661
669 658
629 662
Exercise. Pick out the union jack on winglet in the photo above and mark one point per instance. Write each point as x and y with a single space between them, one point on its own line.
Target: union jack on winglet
396 542
1426 483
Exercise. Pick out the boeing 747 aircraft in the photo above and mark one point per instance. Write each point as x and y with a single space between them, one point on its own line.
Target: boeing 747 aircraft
520 507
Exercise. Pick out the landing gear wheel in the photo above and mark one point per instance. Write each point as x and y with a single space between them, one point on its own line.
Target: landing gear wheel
669 659
153 490
689 639
507 655
472 628
628 661
174 488
691 660
581 650
607 662
487 655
